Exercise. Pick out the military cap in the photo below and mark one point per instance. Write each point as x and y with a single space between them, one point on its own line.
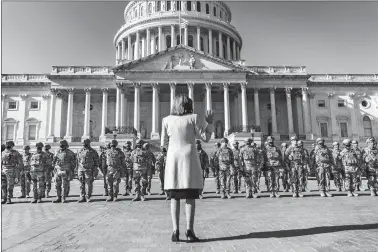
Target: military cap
284 145
63 142
370 140
354 142
139 141
293 138
86 141
217 144
114 142
235 144
346 142
128 143
300 142
145 145
26 147
335 143
270 139
47 147
224 140
10 143
39 145
320 140
198 141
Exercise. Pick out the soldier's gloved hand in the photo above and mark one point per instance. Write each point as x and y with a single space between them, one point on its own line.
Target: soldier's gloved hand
16 180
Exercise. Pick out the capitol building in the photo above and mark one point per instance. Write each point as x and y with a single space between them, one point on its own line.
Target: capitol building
170 47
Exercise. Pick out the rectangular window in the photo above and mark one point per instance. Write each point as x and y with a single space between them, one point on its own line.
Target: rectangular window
12 105
341 103
10 132
323 129
34 105
344 129
32 132
321 104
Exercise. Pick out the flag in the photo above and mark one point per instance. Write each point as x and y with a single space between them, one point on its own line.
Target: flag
183 23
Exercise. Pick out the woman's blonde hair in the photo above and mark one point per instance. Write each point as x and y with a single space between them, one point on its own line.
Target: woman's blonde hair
182 105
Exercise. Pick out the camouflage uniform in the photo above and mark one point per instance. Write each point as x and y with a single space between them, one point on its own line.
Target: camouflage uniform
264 170
104 168
64 163
129 168
25 179
273 163
38 163
115 164
204 161
350 163
251 162
151 167
160 167
70 173
337 167
370 159
10 162
360 164
226 161
214 165
323 163
285 170
88 161
298 158
49 169
235 170
140 167
293 142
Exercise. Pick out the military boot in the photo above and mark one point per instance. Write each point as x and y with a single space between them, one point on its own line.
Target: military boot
114 199
300 194
58 200
39 200
142 198
137 198
110 198
340 190
295 195
33 201
22 196
148 192
200 196
82 199
106 193
350 194
372 193
277 195
272 195
223 196
9 201
47 194
125 194
322 194
64 199
228 195
217 191
4 201
89 199
162 193
254 195
355 194
328 194
248 195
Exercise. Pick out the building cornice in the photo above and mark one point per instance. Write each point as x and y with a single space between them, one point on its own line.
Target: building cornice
23 80
278 77
279 70
81 70
343 80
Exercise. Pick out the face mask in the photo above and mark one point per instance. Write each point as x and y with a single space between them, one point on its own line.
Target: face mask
198 147
113 146
9 147
62 146
86 145
39 149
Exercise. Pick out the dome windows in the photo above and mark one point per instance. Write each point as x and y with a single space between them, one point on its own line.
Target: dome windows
158 6
215 11
198 5
189 5
190 40
150 8
168 5
142 11
178 5
207 8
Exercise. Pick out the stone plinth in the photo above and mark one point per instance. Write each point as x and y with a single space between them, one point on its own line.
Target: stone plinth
241 136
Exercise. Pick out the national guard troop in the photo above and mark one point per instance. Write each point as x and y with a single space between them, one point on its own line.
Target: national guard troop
115 164
204 161
264 170
10 173
297 158
306 167
360 164
273 164
25 179
235 170
225 160
38 164
293 143
251 161
370 160
160 168
214 165
49 172
140 166
128 169
103 169
64 163
88 162
337 169
150 166
285 170
350 162
71 173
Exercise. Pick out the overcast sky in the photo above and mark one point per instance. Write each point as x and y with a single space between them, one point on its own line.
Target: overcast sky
327 37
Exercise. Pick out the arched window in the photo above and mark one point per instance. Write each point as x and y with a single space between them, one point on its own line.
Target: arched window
178 39
207 9
149 8
198 6
142 11
215 11
189 5
220 14
368 131
217 48
168 5
178 5
225 17
202 44
168 41
158 7
156 43
135 13
190 41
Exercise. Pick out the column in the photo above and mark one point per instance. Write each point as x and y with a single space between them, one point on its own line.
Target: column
191 91
87 114
353 118
118 105
233 50
198 38
173 92
289 111
21 125
210 42
155 108
160 45
208 96
237 53
243 86
228 50
137 40
186 35
148 41
50 136
118 52
3 97
226 98
335 135
129 48
273 109
173 36
136 107
220 45
104 115
153 45
123 50
143 47
314 123
306 113
257 107
68 136
122 108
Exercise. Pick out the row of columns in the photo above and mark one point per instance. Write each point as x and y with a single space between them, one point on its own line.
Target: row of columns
148 45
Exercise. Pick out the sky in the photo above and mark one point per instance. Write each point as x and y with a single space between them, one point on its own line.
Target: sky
327 37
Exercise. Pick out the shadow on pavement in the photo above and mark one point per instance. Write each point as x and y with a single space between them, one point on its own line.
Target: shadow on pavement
295 232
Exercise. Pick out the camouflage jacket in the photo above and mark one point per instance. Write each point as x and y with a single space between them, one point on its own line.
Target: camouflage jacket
38 162
65 160
10 160
322 156
128 161
272 156
213 161
359 154
370 157
160 162
140 159
151 160
237 160
114 159
336 158
298 156
225 158
102 162
50 158
204 160
87 159
26 162
250 157
349 158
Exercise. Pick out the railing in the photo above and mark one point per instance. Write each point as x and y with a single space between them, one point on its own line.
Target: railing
76 139
284 137
249 128
301 137
120 130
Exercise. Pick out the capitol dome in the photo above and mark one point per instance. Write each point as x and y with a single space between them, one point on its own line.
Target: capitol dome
154 26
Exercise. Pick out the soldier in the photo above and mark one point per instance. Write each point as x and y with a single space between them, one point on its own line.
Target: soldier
370 159
226 160
323 162
102 166
25 178
140 166
71 173
64 163
88 161
160 168
350 163
360 164
273 163
49 169
251 161
204 161
10 173
337 167
235 171
285 170
129 168
305 167
151 166
214 165
38 164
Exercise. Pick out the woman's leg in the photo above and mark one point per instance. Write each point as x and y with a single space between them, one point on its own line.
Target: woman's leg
175 213
190 210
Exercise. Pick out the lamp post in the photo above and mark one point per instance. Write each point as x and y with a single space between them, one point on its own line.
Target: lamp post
115 132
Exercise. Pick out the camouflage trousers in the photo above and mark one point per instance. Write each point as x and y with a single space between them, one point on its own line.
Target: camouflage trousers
161 178
104 172
324 175
38 181
61 182
267 180
240 175
359 179
273 175
225 180
297 177
7 182
251 177
113 178
284 176
129 179
86 183
216 179
48 179
25 183
150 173
337 178
372 175
139 177
350 178
234 173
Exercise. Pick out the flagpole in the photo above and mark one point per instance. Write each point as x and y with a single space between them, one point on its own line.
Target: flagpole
180 21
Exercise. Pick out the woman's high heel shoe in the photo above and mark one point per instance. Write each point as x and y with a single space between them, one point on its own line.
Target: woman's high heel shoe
190 237
175 236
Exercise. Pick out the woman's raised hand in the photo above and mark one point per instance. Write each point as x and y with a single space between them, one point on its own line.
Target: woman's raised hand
209 116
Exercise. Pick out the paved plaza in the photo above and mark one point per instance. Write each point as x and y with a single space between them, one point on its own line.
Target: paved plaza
285 224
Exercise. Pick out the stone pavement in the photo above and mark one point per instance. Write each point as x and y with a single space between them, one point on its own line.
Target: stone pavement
285 224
